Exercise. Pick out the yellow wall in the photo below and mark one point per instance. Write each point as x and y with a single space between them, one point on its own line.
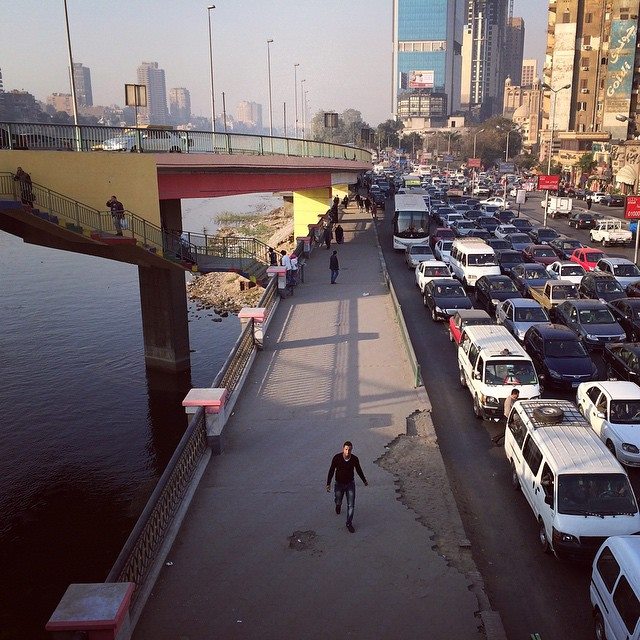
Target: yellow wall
340 190
308 206
92 178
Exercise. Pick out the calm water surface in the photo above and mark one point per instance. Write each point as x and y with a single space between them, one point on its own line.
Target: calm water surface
85 430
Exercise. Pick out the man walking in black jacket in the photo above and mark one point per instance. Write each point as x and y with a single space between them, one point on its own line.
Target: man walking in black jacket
344 464
334 265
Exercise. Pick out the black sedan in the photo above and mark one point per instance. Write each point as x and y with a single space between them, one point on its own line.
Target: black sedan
508 259
522 224
492 290
529 275
591 320
498 244
505 216
613 200
623 361
543 235
443 297
488 222
600 286
582 220
483 234
627 312
559 356
565 247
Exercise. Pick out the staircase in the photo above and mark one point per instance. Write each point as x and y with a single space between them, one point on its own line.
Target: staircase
192 252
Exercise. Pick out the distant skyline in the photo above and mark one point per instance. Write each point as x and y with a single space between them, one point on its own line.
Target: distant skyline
344 49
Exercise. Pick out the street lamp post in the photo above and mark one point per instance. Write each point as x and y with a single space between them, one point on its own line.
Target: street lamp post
475 169
304 118
213 99
72 80
269 41
295 93
553 124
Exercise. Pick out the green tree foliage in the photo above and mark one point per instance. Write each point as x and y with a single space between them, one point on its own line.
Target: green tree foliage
587 163
525 161
348 131
492 141
387 133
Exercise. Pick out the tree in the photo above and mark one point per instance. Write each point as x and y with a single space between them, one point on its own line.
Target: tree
587 163
387 133
348 131
525 161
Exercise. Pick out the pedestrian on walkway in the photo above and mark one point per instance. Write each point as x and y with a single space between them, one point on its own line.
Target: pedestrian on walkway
344 464
367 204
294 269
117 214
345 201
589 203
273 257
334 214
374 210
327 236
26 188
336 202
285 261
359 201
334 266
339 234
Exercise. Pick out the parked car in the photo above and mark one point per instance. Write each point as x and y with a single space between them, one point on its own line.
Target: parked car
441 233
508 259
559 357
622 360
601 286
152 140
564 247
566 270
598 197
444 296
498 244
492 290
627 312
505 216
529 275
414 254
519 314
427 271
522 225
582 220
483 234
504 230
496 201
466 318
442 250
471 214
553 293
611 232
488 222
622 269
543 235
519 241
591 320
462 227
613 200
613 411
587 257
540 253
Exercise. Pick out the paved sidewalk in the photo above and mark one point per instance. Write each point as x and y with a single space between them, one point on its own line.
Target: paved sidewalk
262 553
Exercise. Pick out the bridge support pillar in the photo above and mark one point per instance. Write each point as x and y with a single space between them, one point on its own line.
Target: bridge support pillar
308 206
163 298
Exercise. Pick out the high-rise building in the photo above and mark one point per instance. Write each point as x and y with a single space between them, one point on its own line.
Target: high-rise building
152 76
483 50
591 47
180 105
427 37
529 72
249 114
514 50
82 79
61 102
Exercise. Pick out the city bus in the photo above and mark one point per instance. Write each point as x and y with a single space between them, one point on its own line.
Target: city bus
410 220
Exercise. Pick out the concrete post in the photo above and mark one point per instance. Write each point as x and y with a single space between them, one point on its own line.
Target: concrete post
213 401
281 274
163 298
258 315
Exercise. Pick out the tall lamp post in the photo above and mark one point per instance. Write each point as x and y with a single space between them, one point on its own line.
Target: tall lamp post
553 126
305 107
213 99
475 169
304 123
269 41
295 93
72 79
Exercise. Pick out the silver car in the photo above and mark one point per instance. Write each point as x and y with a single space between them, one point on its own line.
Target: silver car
414 254
518 314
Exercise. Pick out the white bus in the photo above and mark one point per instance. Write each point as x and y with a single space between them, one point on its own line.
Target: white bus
410 220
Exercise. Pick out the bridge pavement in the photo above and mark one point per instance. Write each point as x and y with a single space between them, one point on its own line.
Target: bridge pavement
261 553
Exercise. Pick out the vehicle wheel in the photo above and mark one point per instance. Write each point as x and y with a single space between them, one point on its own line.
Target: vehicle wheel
515 482
611 448
542 537
548 415
598 627
434 315
463 380
477 409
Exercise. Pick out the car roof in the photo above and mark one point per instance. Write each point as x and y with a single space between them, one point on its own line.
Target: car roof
567 263
634 347
469 314
586 304
434 263
442 281
558 331
614 261
525 303
619 389
601 275
626 550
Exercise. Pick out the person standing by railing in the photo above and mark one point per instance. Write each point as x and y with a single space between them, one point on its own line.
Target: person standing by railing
26 189
117 213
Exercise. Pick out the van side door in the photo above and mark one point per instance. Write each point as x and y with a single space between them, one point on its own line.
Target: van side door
532 461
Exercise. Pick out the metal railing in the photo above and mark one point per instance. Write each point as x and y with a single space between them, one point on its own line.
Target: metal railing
64 137
229 247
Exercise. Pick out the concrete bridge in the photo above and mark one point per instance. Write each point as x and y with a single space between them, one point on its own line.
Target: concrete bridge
74 169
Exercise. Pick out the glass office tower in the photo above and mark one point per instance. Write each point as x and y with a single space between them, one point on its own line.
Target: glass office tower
427 49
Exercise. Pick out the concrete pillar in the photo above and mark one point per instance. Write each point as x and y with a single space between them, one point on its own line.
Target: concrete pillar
163 298
308 206
171 214
258 315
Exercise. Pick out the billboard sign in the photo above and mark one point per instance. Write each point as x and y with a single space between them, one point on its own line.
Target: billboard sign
421 79
447 158
548 183
506 167
632 208
474 163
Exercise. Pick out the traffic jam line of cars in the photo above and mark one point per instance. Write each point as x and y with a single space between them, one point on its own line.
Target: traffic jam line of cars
543 303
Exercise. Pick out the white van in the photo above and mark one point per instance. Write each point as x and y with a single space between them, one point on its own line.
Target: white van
471 259
492 363
615 589
578 492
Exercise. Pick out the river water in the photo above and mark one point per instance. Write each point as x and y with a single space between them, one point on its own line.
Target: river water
85 430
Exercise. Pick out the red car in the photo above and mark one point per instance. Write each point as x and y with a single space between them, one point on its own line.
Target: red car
587 257
540 253
633 290
441 233
465 318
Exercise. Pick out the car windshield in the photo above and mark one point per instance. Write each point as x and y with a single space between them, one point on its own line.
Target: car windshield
595 494
536 274
544 253
419 249
547 233
508 229
625 412
564 349
531 314
596 316
481 259
522 224
571 244
510 372
610 286
436 272
519 238
502 285
572 270
511 258
450 291
626 270
565 292
593 256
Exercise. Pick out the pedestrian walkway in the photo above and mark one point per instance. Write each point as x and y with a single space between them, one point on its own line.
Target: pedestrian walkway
262 553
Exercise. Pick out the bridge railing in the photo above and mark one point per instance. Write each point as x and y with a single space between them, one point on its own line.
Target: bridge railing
64 137
229 247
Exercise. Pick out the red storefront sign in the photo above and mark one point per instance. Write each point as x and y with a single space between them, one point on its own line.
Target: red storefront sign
474 163
548 183
632 208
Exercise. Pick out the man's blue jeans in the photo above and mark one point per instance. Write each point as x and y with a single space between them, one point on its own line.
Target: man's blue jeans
334 275
350 489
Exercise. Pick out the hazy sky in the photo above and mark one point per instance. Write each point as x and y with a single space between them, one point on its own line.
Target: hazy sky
343 47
